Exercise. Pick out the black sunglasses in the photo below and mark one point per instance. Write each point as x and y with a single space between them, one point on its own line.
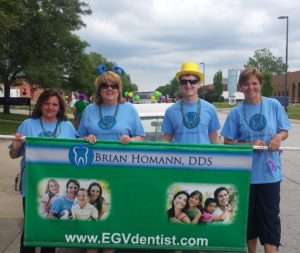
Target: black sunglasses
185 82
105 86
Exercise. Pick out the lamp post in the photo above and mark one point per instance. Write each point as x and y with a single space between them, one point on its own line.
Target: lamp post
286 62
203 63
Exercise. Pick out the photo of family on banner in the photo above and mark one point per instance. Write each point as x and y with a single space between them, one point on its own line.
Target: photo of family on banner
141 195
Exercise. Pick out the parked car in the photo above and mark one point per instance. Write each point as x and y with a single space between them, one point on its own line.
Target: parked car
152 117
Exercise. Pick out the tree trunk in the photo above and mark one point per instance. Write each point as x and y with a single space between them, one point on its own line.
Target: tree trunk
6 107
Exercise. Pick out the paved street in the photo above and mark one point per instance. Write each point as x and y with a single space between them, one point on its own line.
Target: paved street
11 210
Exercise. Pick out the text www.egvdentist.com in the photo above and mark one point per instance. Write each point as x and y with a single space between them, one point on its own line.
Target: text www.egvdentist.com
136 239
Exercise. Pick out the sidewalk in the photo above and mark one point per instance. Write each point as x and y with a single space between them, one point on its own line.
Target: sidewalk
11 207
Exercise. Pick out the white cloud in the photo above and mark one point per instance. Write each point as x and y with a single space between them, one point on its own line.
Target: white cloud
152 38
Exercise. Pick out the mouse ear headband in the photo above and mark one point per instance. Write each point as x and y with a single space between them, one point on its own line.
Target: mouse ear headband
101 70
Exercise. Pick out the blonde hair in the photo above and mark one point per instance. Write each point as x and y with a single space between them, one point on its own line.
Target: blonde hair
108 77
48 186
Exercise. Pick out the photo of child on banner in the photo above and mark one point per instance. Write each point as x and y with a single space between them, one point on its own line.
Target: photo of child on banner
51 193
80 200
184 203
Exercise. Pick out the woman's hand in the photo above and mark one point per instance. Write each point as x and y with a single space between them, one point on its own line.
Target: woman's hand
258 143
274 143
125 139
16 144
91 139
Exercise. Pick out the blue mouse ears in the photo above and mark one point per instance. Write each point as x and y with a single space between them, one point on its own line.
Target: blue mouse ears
101 69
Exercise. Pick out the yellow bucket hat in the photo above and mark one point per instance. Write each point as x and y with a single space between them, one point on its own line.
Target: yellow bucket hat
189 68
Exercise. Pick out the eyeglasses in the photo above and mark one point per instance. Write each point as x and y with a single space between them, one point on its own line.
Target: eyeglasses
105 86
185 82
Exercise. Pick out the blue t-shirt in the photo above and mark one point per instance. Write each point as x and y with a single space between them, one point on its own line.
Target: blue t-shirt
127 122
32 128
60 204
173 123
244 124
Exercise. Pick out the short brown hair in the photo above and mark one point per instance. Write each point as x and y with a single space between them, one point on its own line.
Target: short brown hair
247 73
108 77
45 95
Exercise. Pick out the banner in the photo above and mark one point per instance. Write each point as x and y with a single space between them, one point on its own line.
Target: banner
140 195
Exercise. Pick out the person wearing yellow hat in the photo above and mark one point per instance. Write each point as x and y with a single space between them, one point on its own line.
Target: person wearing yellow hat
191 120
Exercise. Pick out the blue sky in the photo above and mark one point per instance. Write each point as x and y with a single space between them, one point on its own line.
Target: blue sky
150 39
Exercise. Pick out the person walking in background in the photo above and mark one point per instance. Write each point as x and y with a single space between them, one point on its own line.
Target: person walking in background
191 120
72 103
49 119
260 121
79 108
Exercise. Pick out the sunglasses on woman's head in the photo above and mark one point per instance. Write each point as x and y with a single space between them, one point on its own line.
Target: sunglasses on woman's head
185 82
105 86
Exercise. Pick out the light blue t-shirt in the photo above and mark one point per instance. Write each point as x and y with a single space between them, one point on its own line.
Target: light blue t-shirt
173 123
127 122
244 124
32 128
60 204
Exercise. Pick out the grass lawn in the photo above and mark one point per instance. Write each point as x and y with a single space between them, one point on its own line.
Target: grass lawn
9 123
8 128
294 112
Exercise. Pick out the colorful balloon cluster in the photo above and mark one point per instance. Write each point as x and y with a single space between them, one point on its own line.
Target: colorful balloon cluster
130 95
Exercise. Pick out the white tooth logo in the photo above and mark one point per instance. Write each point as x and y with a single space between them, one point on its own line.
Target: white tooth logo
81 157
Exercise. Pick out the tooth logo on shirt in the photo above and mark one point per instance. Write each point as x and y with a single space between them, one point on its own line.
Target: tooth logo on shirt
81 156
257 122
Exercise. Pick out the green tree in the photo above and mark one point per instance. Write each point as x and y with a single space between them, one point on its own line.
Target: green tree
38 44
265 61
267 87
218 84
127 84
172 88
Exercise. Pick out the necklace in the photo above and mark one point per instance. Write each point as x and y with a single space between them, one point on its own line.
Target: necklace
257 122
107 122
191 119
47 133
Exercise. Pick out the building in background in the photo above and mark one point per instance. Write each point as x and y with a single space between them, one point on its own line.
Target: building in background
293 86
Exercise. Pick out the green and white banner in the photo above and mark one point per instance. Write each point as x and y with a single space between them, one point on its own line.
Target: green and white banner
140 195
